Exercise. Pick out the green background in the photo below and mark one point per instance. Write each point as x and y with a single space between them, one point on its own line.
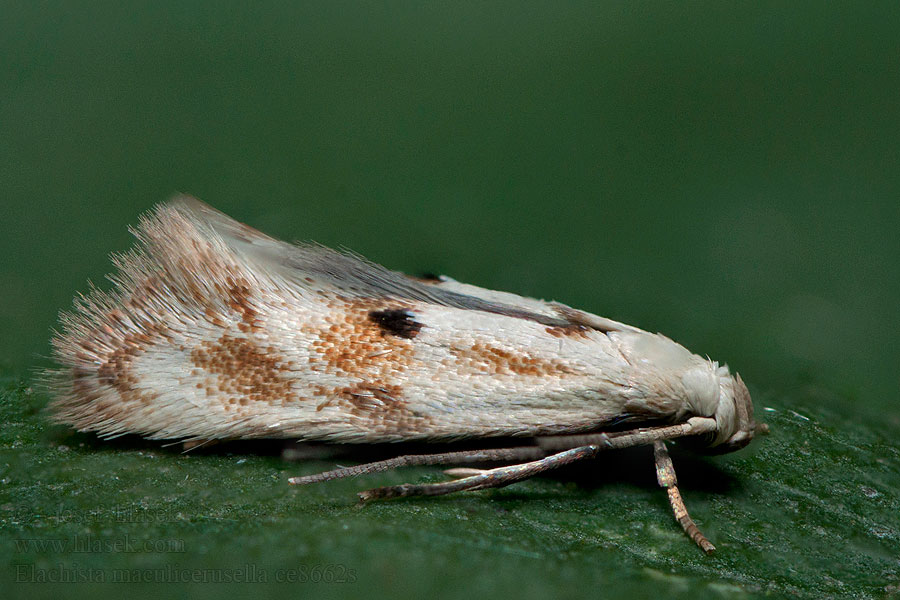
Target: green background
725 174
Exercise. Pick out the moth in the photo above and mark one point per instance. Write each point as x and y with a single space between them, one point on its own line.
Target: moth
214 331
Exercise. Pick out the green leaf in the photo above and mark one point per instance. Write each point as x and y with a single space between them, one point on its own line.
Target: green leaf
808 511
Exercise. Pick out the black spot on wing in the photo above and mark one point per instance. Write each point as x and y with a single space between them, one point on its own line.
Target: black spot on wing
396 321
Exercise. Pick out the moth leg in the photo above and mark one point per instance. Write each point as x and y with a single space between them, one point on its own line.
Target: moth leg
409 460
546 445
498 477
665 475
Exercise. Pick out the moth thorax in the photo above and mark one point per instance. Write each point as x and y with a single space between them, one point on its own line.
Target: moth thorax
702 389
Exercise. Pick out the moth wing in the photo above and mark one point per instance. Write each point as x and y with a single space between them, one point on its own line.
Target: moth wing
550 309
307 264
315 265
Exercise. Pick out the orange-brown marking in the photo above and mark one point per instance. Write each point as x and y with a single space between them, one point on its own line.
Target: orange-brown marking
244 371
573 330
116 344
367 398
116 369
382 409
349 343
497 361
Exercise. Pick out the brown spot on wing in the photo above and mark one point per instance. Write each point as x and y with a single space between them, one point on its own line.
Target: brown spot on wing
239 299
381 408
573 330
244 371
490 359
368 398
115 344
350 343
369 345
115 370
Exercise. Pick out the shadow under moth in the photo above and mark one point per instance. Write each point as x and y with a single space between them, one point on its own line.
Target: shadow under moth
215 331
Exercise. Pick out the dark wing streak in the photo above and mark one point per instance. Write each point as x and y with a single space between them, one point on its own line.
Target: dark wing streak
344 270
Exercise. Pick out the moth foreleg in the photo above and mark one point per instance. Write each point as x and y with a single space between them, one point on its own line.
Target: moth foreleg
499 477
616 440
665 475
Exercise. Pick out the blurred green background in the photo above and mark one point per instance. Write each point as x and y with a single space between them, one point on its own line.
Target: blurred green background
725 174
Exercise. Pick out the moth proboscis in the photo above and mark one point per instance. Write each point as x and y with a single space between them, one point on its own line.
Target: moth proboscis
215 331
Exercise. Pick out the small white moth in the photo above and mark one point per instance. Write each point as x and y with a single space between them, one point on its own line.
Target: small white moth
214 330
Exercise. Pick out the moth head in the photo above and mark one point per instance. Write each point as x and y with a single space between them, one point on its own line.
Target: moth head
735 426
699 388
712 391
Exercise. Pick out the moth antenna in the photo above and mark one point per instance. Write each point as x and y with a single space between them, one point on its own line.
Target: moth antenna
499 477
411 460
665 475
